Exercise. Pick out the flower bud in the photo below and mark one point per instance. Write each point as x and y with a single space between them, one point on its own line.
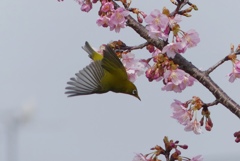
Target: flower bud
143 14
140 20
236 134
150 48
194 7
237 140
183 146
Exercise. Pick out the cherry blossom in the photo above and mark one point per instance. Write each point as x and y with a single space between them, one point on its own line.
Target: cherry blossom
235 72
174 48
157 19
117 19
106 7
197 158
191 38
194 126
180 112
103 21
134 67
140 157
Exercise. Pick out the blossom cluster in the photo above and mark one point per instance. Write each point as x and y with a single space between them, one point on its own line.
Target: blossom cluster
186 114
170 150
141 157
164 69
110 17
134 67
160 25
86 5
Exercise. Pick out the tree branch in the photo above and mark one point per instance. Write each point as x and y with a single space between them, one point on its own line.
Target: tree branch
188 67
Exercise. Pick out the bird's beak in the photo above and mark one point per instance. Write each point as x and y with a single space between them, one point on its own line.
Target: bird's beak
138 97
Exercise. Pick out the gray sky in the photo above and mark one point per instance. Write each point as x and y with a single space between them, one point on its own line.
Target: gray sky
40 47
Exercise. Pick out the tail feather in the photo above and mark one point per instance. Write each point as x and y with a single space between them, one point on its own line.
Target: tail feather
91 52
88 49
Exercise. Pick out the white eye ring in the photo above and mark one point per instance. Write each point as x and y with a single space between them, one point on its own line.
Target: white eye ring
134 92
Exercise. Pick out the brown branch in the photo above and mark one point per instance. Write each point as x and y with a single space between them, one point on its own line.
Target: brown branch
188 67
205 105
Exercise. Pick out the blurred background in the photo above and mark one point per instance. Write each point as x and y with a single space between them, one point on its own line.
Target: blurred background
40 49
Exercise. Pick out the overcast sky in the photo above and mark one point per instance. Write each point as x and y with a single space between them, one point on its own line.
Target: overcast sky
40 48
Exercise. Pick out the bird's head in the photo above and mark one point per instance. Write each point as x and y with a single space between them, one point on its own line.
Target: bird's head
132 90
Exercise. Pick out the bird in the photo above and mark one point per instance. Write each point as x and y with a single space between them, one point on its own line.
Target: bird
105 73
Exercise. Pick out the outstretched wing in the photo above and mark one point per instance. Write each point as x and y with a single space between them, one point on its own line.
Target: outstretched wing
112 64
87 81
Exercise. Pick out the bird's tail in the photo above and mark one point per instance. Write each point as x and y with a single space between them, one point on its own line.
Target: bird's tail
91 52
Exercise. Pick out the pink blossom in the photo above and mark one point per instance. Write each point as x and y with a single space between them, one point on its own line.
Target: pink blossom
155 54
197 158
172 79
235 72
180 112
106 7
134 67
157 24
153 73
175 76
188 81
86 5
171 87
237 66
173 21
173 48
157 19
117 19
155 32
177 80
103 21
140 157
194 126
191 38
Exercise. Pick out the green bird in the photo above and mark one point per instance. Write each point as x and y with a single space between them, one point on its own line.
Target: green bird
106 73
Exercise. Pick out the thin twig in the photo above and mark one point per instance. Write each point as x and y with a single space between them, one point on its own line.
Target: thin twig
130 48
219 63
179 7
205 105
216 65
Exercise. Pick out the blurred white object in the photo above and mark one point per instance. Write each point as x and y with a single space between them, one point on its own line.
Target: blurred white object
12 119
26 112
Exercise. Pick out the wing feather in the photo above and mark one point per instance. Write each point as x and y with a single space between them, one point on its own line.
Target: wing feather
112 63
87 81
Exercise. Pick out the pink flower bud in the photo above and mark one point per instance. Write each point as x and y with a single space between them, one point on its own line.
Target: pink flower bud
183 146
237 140
140 20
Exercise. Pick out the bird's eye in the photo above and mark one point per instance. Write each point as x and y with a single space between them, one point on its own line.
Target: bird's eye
134 92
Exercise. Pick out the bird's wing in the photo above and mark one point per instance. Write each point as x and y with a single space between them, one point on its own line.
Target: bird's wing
87 81
112 64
